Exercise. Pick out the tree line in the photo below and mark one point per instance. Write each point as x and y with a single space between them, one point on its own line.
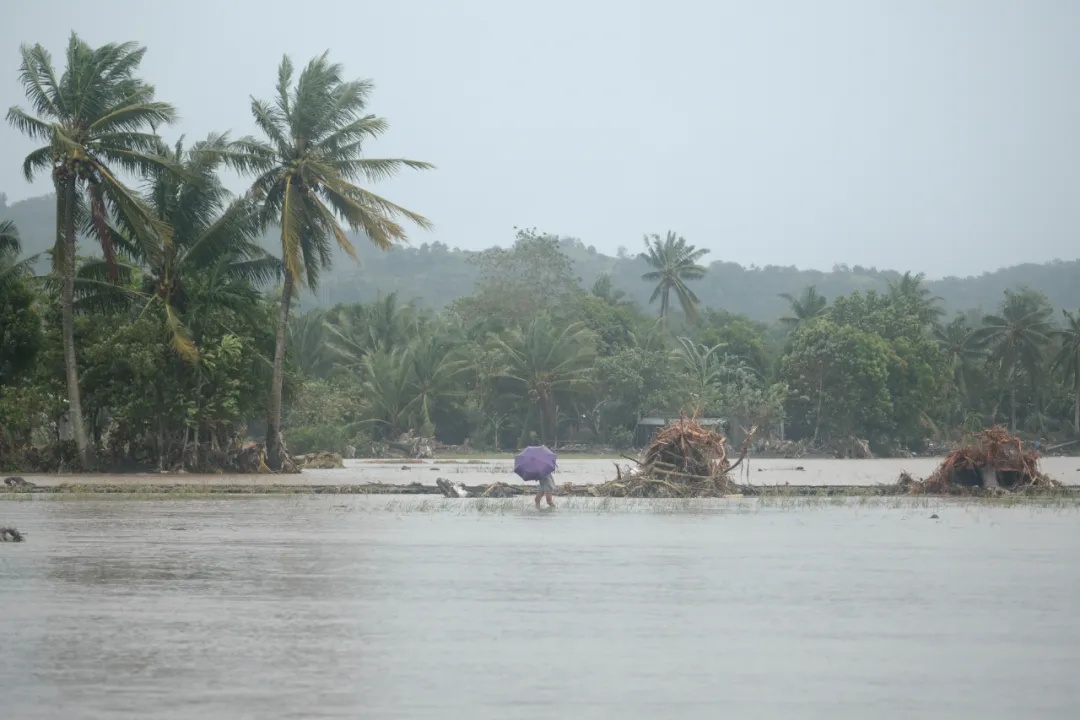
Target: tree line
533 356
177 342
435 275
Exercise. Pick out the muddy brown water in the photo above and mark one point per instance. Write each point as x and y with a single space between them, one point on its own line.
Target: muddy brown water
384 607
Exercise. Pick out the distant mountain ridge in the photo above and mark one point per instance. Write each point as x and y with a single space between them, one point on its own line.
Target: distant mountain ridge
434 275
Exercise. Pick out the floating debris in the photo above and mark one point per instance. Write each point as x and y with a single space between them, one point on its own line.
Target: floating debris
10 534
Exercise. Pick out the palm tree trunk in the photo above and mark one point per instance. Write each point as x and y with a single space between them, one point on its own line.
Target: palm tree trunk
545 419
1012 408
1076 412
817 413
65 217
274 455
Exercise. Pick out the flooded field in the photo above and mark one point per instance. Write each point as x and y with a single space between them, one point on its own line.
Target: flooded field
379 607
760 472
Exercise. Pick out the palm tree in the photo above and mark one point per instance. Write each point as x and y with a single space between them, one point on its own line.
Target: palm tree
9 239
960 348
307 343
604 288
212 244
804 308
20 329
1068 360
912 290
353 331
306 173
543 363
93 121
673 262
434 368
387 381
1017 338
10 247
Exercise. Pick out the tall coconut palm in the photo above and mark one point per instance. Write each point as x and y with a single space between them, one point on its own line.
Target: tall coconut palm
1017 339
804 308
95 120
1068 360
673 262
306 174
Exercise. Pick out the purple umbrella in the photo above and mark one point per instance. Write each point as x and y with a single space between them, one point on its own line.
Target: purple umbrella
534 463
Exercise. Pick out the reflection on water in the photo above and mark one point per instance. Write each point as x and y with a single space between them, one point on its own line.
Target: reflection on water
358 607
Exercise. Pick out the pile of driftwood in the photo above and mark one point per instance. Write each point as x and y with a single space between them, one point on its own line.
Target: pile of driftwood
993 460
683 460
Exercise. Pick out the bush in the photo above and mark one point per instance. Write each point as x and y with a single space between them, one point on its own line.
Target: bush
315 438
620 437
327 438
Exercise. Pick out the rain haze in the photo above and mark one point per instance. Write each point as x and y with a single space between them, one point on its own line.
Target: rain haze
932 136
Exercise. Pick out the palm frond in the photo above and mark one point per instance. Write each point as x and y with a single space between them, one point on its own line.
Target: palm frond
32 127
9 238
39 81
132 117
37 161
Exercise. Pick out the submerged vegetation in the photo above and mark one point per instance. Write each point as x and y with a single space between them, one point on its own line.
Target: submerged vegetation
165 333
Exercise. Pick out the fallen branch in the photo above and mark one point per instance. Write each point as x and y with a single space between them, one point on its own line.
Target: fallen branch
745 448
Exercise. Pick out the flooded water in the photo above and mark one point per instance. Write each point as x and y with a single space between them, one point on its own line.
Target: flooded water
376 607
476 472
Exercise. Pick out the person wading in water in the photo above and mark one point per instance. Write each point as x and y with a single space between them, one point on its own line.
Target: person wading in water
546 489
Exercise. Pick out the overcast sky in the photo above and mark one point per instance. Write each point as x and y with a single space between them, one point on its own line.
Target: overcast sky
934 135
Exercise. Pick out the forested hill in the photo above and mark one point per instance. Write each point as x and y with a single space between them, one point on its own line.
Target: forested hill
434 274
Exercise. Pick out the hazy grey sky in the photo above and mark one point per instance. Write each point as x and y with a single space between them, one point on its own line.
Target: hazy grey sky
935 135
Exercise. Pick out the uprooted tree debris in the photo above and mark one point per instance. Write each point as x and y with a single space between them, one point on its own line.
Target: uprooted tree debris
994 461
320 461
683 460
494 490
408 444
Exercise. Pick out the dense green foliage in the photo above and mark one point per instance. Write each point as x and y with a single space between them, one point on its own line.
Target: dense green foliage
172 322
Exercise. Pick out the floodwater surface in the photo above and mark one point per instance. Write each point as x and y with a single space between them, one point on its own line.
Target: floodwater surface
376 607
579 471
